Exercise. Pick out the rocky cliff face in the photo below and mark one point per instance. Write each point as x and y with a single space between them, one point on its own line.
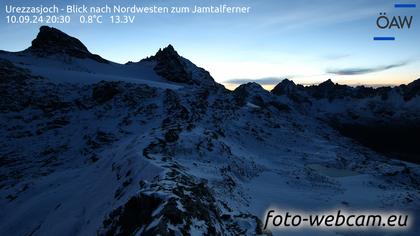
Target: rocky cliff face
51 41
170 66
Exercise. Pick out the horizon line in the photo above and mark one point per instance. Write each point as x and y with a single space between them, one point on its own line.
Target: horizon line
374 86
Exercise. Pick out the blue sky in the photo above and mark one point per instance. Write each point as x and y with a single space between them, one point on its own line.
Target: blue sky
307 41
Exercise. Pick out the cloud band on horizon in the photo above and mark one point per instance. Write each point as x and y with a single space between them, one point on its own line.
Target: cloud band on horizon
361 71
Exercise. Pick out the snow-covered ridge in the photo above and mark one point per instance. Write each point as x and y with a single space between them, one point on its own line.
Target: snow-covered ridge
63 58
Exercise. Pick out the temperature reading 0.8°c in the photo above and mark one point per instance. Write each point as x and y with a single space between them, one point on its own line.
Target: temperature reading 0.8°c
90 19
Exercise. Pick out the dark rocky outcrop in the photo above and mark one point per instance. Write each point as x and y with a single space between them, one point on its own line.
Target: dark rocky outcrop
173 67
9 72
329 90
105 91
128 219
412 90
397 139
285 87
295 92
249 92
51 41
170 66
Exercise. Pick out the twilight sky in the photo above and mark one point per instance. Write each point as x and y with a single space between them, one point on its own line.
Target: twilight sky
308 41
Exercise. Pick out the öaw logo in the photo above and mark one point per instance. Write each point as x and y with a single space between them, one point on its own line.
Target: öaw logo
385 22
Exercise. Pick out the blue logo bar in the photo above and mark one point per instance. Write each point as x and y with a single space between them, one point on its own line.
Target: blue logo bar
384 38
399 5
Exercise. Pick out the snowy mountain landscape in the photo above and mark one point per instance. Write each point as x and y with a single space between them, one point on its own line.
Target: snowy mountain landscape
92 147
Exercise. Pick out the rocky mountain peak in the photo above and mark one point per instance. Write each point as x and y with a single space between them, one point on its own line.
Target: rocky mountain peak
286 86
167 52
287 81
51 41
252 92
327 83
415 84
251 87
412 89
170 65
51 38
330 90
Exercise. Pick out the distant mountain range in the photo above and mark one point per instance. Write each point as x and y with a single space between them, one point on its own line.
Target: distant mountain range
89 146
